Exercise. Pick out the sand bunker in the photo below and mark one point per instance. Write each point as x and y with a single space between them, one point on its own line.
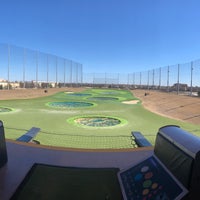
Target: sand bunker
131 102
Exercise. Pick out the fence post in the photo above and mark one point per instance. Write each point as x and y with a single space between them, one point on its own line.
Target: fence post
191 78
82 73
76 68
160 78
153 79
118 79
178 86
8 67
47 70
36 74
24 68
128 80
56 85
168 78
70 72
64 72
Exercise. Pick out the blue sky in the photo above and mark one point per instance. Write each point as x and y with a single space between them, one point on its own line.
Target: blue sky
106 35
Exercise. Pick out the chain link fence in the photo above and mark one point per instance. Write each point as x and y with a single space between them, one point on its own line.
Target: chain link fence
26 68
179 78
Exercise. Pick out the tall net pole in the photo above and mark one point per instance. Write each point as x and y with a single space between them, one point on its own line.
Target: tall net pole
76 67
148 80
56 71
178 79
36 74
191 78
70 79
168 79
81 73
64 72
153 78
24 69
8 67
160 77
47 70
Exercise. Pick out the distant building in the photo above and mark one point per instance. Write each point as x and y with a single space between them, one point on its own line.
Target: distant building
180 86
4 84
14 85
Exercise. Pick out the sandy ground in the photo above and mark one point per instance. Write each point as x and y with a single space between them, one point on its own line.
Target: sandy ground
175 106
33 93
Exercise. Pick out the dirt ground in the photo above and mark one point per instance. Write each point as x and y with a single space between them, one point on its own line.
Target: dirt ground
33 93
181 107
175 106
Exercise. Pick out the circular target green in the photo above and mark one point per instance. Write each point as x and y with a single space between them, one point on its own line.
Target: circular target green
4 109
71 104
97 121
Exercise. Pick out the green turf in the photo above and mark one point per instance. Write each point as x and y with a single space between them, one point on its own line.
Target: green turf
57 129
52 183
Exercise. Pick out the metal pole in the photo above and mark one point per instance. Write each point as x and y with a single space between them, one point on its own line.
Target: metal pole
8 67
191 78
24 68
56 71
160 77
81 73
36 78
71 71
93 78
47 70
153 78
168 78
76 73
148 80
118 79
64 72
178 86
128 79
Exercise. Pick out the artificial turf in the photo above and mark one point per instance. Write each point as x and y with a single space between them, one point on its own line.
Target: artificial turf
59 129
53 182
